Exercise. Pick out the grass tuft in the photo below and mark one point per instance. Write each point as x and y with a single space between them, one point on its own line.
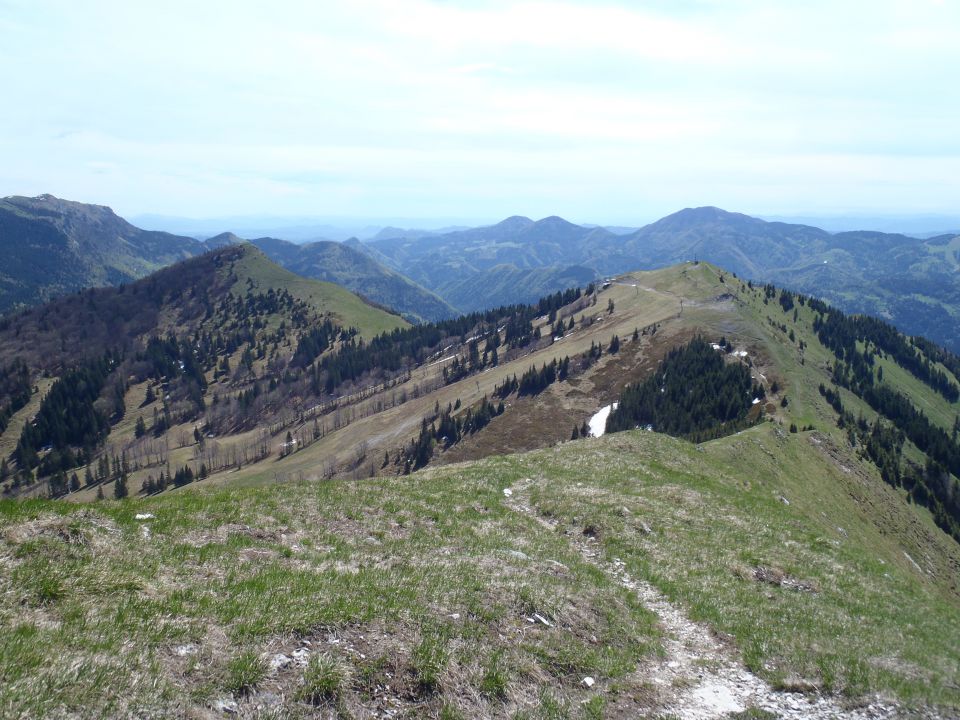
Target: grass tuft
323 680
244 673
429 659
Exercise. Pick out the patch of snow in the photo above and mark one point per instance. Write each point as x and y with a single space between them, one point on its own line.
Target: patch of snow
716 346
143 516
741 353
507 492
598 423
756 401
448 357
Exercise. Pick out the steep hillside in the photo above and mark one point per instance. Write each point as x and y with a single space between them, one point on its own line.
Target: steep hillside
159 350
51 247
512 285
341 263
175 299
778 570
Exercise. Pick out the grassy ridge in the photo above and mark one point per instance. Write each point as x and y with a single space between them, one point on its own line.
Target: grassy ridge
98 614
348 309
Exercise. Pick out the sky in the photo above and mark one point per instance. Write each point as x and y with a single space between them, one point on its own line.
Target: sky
611 113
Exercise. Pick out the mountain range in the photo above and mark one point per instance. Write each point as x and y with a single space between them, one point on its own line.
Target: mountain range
53 246
310 507
912 282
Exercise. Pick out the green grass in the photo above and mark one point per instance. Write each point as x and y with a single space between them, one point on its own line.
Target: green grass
423 569
244 673
325 297
424 585
416 574
323 680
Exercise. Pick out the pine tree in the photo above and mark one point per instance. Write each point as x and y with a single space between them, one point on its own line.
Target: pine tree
575 435
120 490
140 429
74 483
100 492
5 469
88 477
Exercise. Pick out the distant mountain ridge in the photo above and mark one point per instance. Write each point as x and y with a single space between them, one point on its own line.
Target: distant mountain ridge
51 247
343 264
912 282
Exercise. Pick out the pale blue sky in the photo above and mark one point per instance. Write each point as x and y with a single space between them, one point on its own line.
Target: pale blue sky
609 113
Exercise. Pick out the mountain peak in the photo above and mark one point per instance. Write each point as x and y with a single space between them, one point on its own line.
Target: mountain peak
51 203
514 223
224 239
705 213
554 221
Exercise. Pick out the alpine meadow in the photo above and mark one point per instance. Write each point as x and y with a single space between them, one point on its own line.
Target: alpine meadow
335 416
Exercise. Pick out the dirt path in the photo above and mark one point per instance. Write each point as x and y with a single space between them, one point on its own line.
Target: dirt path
699 677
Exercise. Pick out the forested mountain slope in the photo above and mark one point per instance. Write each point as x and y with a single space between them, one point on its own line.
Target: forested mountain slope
51 246
804 516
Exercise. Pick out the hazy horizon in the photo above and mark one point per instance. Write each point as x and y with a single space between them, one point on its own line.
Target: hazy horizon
473 111
304 228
